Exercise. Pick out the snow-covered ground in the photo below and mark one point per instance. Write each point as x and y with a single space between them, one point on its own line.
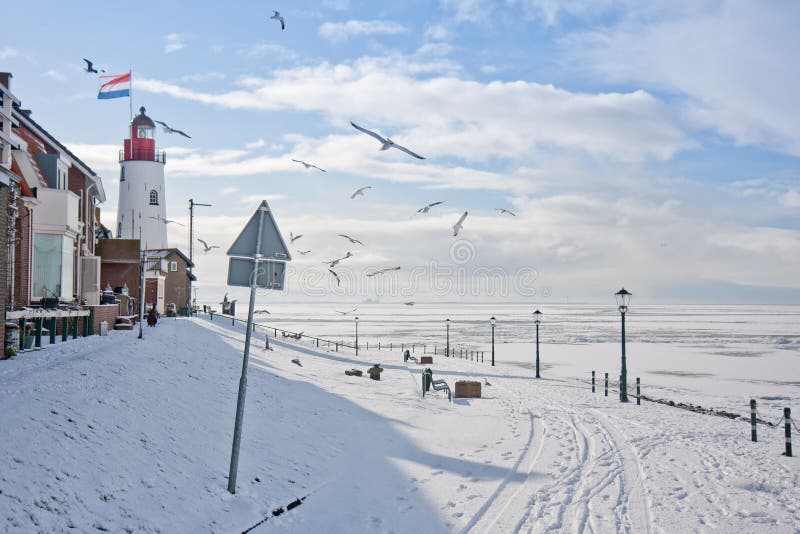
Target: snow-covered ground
120 434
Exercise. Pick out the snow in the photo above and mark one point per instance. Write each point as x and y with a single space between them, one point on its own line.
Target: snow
120 434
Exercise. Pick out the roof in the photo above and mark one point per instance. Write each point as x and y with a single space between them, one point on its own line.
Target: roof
166 252
28 121
143 120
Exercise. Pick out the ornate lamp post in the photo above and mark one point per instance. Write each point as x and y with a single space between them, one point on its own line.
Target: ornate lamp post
447 349
492 322
536 319
623 299
356 336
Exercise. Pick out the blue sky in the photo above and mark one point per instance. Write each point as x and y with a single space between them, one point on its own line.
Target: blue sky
648 144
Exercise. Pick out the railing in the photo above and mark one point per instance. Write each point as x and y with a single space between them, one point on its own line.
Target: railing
143 154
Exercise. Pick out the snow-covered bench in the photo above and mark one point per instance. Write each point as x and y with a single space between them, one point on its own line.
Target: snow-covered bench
441 385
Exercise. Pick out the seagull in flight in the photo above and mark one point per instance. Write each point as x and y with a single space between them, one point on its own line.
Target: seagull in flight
277 16
381 271
360 191
167 221
386 142
334 263
309 165
206 247
427 208
90 67
303 252
346 312
353 241
410 303
170 130
457 226
502 211
262 311
338 282
294 237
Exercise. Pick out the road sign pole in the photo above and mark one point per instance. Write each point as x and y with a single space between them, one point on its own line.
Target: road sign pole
237 430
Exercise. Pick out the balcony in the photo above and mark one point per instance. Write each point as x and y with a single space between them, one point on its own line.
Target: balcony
143 154
57 212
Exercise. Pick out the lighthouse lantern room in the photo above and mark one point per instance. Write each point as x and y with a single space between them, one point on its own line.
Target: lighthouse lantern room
142 212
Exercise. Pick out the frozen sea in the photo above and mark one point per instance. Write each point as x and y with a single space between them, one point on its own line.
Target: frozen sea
713 355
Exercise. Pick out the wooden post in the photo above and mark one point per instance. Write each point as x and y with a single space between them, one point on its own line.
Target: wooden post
22 334
592 381
787 422
52 330
75 328
85 326
638 391
753 436
379 345
606 384
91 321
38 332
64 328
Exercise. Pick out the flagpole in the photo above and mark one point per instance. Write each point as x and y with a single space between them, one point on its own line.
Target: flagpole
130 131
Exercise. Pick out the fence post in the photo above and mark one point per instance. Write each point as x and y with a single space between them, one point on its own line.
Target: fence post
337 347
37 325
91 321
233 320
753 435
481 356
211 314
52 330
638 392
592 381
75 328
787 421
606 384
64 328
379 345
317 342
391 345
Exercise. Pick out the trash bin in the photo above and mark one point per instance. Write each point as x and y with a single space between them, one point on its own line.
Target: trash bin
103 328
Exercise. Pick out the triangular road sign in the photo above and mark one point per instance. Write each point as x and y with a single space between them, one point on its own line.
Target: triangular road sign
272 247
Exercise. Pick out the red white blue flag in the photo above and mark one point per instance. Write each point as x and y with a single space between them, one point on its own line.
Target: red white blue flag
115 86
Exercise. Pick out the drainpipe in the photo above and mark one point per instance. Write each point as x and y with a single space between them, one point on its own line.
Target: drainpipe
12 244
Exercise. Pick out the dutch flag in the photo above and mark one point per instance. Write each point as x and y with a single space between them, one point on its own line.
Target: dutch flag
116 86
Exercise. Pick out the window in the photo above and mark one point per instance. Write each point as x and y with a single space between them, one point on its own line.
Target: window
52 266
153 197
173 266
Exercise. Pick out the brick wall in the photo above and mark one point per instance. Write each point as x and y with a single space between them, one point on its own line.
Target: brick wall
4 200
104 312
119 274
176 286
23 253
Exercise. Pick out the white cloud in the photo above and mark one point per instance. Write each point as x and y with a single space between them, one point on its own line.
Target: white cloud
54 75
727 58
174 42
271 50
791 198
229 190
448 116
7 52
337 31
438 32
470 10
258 143
338 5
202 77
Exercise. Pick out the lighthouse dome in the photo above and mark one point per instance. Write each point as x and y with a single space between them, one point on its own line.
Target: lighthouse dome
143 120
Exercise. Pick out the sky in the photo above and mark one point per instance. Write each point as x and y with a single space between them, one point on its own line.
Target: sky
653 145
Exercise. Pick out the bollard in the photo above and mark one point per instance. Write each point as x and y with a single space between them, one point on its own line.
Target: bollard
638 392
592 381
606 384
787 421
753 436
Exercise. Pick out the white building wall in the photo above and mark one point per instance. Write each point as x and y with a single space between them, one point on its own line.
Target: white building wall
135 211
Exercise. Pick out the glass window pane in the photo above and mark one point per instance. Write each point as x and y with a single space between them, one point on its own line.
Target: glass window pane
47 265
67 267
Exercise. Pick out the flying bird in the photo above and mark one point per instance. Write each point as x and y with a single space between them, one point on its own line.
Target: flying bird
427 208
386 142
167 221
457 226
309 165
262 311
360 191
170 130
502 211
353 241
303 252
90 67
338 282
346 312
294 237
381 271
206 247
333 263
411 303
277 16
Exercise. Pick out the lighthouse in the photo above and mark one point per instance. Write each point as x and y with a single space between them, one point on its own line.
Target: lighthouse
142 212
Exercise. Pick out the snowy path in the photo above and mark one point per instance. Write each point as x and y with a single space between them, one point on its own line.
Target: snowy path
127 435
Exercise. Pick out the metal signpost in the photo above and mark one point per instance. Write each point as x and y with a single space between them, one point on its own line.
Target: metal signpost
257 260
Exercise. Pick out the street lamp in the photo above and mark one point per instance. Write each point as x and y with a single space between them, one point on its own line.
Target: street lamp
492 322
447 349
536 319
623 299
356 336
